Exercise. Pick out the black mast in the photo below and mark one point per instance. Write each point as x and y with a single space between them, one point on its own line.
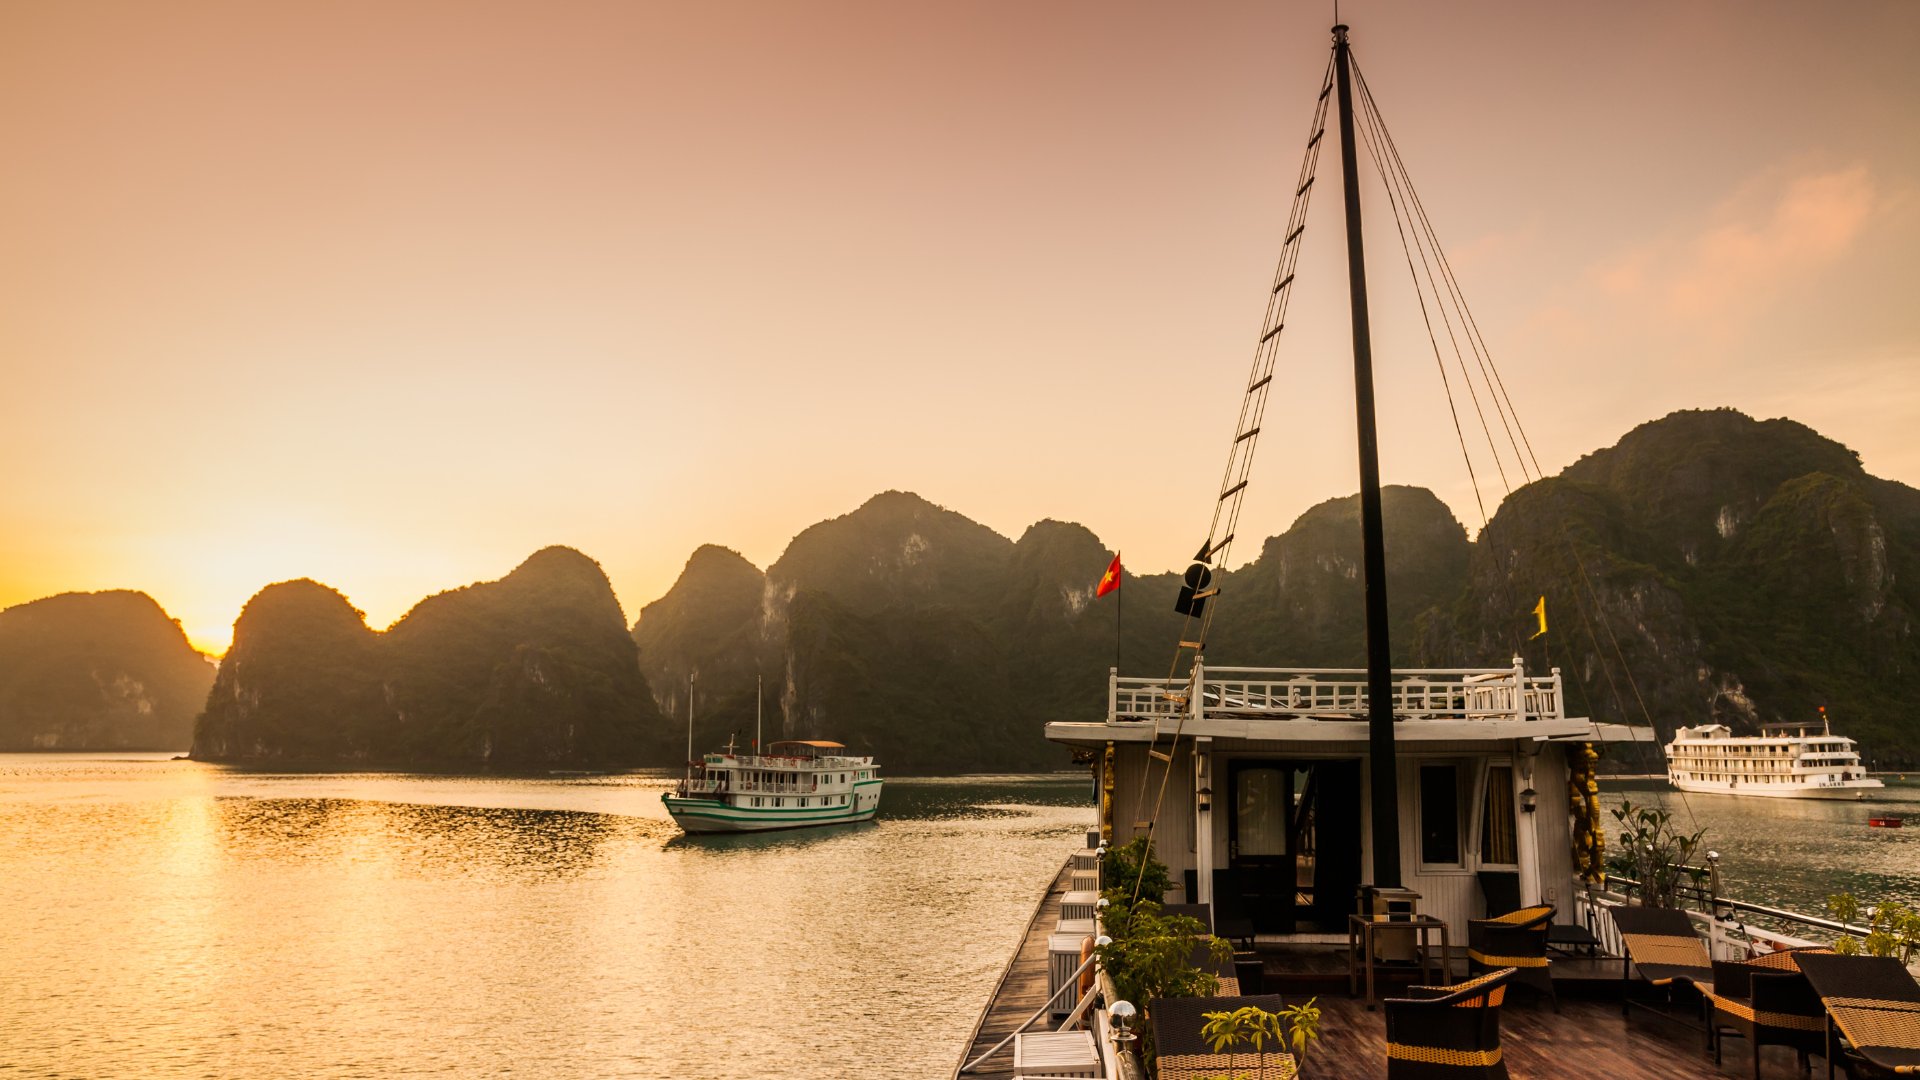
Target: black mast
1381 760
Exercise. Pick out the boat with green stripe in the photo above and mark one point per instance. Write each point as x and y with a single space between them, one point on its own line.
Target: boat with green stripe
795 784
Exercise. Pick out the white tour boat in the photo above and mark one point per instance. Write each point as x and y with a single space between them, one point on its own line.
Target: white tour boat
795 784
1786 761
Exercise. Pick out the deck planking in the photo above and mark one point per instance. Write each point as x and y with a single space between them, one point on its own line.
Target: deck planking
1588 1037
1022 988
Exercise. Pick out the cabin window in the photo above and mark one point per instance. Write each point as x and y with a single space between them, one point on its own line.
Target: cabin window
1440 814
1497 841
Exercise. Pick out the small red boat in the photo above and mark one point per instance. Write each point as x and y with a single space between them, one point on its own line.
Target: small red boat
1884 822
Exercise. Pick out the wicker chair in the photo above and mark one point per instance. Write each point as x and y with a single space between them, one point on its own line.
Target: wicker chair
1183 1055
1515 940
1661 943
1448 1032
1767 1001
1874 1004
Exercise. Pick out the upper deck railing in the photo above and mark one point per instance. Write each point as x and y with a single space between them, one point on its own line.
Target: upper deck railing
1419 694
787 764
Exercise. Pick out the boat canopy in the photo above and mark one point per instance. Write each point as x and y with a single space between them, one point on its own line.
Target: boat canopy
797 747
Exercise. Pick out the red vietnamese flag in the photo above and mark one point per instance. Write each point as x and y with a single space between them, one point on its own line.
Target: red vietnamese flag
1110 580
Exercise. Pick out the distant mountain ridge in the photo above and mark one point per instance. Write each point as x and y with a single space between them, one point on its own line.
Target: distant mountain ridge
97 671
1746 571
535 669
1706 567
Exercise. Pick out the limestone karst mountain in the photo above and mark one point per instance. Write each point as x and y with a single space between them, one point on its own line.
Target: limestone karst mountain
534 670
97 671
1710 565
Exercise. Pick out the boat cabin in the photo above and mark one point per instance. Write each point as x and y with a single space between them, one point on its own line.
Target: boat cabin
793 773
1256 782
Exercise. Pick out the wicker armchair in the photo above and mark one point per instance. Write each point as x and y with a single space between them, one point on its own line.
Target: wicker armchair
1767 1001
1448 1032
1181 1053
1515 940
1874 1004
1660 942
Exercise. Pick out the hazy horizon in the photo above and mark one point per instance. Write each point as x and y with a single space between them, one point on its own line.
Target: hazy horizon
393 297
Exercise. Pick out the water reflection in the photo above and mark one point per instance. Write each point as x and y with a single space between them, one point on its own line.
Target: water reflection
173 919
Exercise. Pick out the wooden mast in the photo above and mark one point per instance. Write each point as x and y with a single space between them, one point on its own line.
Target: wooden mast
1382 770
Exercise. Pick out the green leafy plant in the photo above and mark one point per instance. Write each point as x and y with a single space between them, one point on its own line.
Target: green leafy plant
1121 869
1149 954
1294 1027
1654 853
1893 929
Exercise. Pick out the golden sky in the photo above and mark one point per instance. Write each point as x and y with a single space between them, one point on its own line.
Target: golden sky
392 294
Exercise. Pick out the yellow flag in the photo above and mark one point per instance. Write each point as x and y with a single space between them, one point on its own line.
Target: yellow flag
1540 609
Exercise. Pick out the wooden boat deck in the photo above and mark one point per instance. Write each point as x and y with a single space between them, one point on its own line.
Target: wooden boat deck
1588 1037
1022 989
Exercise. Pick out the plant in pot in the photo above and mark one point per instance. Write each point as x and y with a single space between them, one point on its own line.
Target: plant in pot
1654 853
1294 1027
1122 870
1149 955
1893 929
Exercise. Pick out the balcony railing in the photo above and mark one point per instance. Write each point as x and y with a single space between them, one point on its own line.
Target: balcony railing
1244 693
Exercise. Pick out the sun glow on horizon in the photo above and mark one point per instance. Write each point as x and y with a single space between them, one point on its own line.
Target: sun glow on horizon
652 276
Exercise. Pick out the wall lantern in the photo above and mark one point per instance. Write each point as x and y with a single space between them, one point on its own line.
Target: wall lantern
1529 798
1206 799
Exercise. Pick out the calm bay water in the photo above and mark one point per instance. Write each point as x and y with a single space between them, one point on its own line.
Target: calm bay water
1793 853
171 918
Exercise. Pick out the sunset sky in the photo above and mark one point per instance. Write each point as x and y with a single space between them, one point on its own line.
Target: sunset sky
392 294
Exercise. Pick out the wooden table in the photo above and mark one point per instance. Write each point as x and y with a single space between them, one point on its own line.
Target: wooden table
1360 931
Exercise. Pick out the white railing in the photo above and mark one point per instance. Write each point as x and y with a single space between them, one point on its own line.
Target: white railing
763 761
1738 932
1242 693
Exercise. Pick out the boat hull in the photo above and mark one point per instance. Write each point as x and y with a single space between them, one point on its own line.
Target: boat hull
1852 789
714 816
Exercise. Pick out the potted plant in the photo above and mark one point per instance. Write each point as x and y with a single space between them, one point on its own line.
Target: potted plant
1294 1027
1655 854
1893 929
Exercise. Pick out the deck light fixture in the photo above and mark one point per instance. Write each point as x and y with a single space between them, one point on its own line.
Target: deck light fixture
1206 799
1529 798
1122 1014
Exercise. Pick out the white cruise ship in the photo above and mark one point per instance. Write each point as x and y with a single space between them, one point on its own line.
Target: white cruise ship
1787 761
793 785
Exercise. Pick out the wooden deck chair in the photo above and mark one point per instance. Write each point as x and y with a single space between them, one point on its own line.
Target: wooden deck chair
1873 1011
1448 1032
1768 1002
1515 940
1183 1055
1662 944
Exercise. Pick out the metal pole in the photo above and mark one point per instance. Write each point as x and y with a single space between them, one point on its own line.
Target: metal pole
759 696
1382 769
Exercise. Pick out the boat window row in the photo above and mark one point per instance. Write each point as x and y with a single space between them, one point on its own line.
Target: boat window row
778 802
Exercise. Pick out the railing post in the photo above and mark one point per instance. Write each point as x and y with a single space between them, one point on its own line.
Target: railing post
1519 688
1113 694
1559 697
1198 690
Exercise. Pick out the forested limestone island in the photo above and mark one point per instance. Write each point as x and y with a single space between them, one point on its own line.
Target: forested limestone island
533 671
1739 571
97 671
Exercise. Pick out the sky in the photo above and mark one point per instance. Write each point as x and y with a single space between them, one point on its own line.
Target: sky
391 295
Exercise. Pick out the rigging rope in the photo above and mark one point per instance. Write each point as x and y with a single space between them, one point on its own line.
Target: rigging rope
1238 472
1386 156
